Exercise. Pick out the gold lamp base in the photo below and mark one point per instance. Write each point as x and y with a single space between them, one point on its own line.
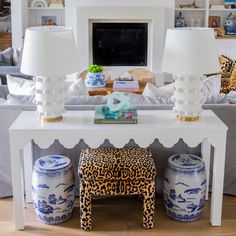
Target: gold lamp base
51 120
187 118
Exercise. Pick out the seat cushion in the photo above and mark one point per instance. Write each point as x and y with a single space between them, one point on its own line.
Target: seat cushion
116 164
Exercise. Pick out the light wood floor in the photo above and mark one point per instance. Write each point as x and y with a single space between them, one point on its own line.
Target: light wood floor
121 216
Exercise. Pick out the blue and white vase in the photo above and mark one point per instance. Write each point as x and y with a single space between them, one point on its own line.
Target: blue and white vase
184 187
95 79
180 21
53 189
229 25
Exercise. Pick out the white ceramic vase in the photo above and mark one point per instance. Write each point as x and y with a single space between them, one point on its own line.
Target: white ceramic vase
184 187
53 189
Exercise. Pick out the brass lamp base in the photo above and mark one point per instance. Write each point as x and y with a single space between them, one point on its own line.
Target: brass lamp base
187 118
51 120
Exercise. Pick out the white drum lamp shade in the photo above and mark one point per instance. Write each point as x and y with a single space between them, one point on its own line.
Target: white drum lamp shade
189 53
49 53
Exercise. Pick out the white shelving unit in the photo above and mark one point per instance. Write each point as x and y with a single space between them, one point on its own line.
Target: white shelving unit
204 11
37 14
200 13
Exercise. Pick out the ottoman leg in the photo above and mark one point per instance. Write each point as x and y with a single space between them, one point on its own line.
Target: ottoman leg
85 206
148 205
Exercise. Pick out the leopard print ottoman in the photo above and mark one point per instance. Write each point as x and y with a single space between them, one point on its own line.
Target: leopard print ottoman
116 171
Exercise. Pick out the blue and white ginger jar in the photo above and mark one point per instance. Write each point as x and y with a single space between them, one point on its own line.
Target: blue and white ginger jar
184 187
180 21
95 79
53 189
229 25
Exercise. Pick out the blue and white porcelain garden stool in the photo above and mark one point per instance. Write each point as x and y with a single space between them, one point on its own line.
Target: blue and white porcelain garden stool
53 189
184 187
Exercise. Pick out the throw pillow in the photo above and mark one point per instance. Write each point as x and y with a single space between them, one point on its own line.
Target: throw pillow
226 66
2 101
77 88
211 85
6 57
16 57
20 100
232 80
151 90
228 74
20 86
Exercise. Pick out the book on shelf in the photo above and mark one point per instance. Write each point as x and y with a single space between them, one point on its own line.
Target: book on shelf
125 116
125 85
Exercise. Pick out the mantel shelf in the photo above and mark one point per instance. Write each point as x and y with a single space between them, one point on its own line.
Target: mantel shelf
46 8
190 9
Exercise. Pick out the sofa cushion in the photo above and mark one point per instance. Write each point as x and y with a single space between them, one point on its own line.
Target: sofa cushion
226 66
20 86
77 88
6 56
16 59
19 100
228 74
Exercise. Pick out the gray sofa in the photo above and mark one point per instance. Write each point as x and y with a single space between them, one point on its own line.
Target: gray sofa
8 113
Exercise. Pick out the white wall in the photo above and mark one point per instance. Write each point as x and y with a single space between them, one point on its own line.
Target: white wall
19 21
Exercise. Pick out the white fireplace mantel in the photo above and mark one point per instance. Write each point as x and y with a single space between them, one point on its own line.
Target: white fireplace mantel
158 14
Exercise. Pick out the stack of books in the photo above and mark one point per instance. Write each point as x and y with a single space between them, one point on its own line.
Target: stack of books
126 85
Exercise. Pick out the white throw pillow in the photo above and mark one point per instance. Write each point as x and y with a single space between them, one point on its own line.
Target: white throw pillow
2 101
151 90
211 85
20 86
77 88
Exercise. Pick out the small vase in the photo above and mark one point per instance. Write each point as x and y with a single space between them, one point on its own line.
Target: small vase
95 79
180 21
229 25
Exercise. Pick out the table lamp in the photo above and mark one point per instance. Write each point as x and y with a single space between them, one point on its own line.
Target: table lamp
189 53
49 53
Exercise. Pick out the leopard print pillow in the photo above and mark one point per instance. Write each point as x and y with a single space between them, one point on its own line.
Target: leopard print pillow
228 74
226 65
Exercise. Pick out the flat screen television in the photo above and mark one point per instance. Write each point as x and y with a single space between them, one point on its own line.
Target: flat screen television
120 44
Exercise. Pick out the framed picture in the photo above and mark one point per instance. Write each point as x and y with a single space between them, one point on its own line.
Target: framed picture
214 21
50 19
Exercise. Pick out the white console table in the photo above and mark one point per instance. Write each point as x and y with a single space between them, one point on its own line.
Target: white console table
152 124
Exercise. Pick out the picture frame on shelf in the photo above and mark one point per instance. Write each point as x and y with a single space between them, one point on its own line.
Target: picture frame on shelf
214 21
49 19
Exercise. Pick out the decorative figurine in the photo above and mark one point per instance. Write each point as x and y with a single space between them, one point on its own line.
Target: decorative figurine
229 26
180 21
191 5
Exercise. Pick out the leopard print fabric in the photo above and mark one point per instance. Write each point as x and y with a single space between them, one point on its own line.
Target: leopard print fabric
226 65
112 171
228 74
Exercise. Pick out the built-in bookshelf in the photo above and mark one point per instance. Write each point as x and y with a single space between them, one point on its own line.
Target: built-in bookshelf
204 10
47 14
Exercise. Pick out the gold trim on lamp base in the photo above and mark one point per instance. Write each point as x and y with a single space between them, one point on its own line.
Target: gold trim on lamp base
51 120
187 118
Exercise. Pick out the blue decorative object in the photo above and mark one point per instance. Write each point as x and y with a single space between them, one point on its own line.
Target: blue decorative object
53 189
118 101
95 79
184 187
230 26
180 21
